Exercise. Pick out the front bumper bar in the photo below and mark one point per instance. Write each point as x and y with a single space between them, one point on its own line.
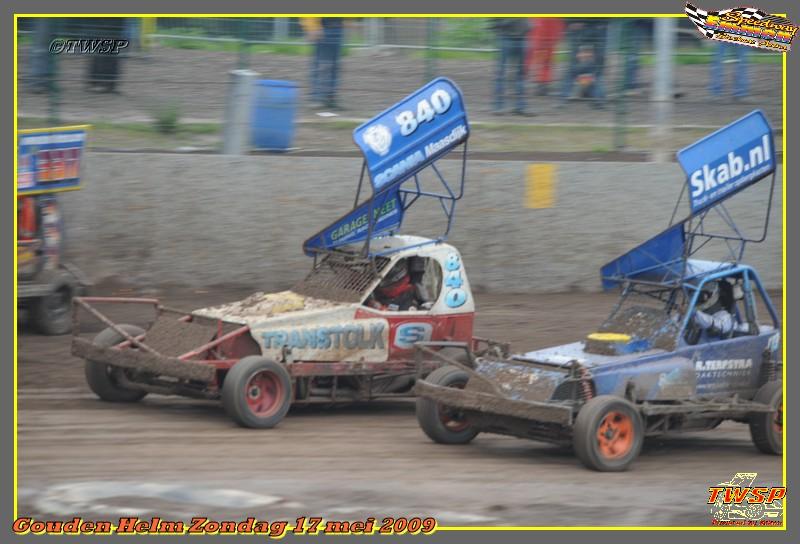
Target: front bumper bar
493 404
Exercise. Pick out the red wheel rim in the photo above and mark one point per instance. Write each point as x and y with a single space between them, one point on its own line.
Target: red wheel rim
777 419
615 435
264 392
453 419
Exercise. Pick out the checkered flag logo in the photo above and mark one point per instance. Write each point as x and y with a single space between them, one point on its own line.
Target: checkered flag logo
700 16
753 13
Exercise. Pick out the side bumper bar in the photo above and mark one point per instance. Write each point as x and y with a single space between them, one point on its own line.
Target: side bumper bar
148 362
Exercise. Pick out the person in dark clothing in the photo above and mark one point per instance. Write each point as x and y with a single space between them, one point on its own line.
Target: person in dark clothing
586 42
325 64
511 39
104 69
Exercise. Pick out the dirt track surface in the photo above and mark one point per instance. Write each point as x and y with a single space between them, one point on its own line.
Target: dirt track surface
176 458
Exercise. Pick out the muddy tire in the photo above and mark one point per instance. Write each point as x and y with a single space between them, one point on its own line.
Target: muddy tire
257 392
608 434
51 313
442 424
102 378
766 428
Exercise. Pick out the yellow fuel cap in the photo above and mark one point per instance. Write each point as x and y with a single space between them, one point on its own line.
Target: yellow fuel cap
609 337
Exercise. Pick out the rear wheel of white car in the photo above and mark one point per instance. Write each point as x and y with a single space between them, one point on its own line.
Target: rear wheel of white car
257 392
766 428
444 424
608 434
103 379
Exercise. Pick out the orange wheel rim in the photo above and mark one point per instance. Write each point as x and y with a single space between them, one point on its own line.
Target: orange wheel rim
615 435
777 419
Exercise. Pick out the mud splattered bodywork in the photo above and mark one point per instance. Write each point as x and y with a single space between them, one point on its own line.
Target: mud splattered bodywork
260 306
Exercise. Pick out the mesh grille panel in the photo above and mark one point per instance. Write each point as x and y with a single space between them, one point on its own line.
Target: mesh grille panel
341 277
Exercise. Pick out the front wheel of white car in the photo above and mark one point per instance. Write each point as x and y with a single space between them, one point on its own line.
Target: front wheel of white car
257 392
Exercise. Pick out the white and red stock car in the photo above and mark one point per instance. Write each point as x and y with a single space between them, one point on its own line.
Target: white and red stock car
347 331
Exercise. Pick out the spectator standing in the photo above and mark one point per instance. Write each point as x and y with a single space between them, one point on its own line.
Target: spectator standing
634 33
542 41
327 34
104 69
511 33
737 55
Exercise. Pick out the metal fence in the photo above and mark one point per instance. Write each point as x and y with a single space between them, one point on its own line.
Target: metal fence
536 84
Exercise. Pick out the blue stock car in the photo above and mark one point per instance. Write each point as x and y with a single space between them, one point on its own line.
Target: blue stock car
691 342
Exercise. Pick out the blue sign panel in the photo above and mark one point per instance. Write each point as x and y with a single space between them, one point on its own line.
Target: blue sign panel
49 159
728 160
387 211
413 133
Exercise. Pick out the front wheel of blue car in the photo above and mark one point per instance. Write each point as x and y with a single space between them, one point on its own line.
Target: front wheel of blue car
445 424
608 434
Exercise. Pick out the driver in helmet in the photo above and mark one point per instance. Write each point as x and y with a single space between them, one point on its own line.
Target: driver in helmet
716 310
402 288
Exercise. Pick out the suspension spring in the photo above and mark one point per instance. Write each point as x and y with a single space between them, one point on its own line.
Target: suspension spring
586 384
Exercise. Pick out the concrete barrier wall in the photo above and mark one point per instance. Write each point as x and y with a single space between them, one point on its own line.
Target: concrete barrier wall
201 220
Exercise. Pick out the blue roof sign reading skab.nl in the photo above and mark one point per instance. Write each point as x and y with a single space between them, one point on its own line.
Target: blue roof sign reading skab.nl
728 160
413 133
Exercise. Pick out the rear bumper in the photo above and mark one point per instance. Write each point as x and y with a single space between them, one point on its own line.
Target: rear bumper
495 405
138 360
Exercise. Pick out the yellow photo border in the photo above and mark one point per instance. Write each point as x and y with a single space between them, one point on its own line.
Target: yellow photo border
461 16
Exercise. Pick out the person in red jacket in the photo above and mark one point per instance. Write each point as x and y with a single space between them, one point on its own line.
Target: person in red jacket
543 39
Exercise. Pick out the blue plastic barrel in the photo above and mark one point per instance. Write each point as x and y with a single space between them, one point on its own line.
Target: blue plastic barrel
274 106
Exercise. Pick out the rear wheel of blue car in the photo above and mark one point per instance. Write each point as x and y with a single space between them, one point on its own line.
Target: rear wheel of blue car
445 424
608 434
766 428
257 392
